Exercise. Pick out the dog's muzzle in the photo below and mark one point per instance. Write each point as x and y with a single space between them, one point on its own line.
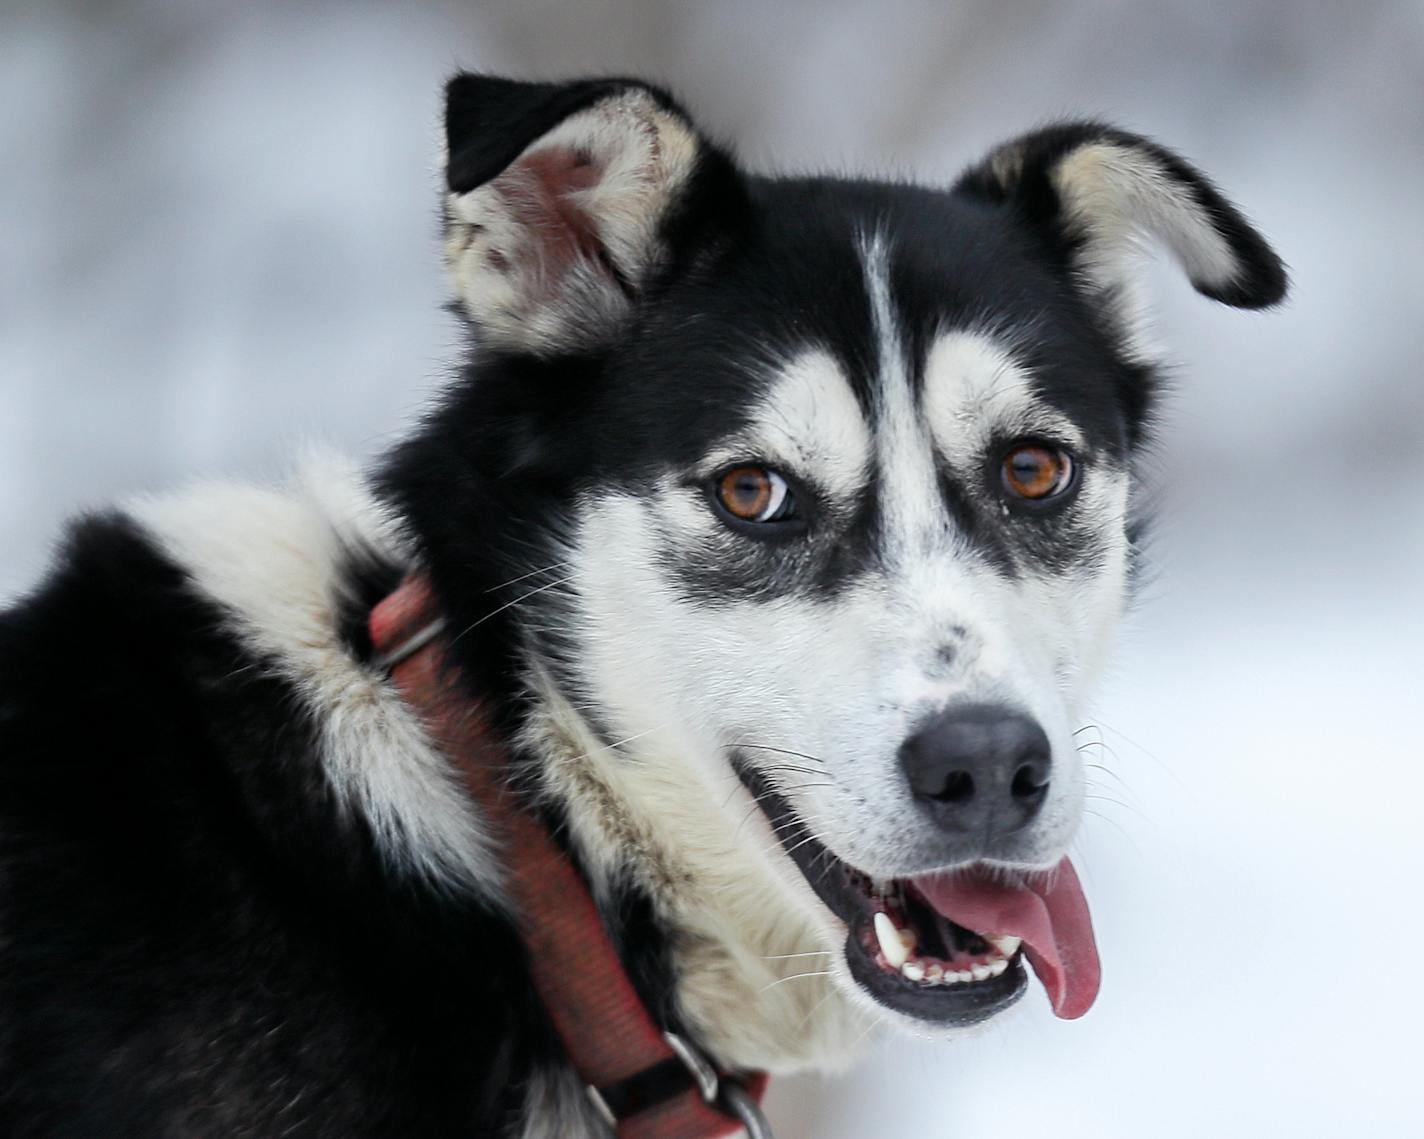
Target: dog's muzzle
948 946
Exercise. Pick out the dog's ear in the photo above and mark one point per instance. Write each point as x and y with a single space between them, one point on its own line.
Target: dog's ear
560 202
1095 192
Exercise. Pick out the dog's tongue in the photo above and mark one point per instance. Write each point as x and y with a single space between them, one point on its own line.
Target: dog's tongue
1049 913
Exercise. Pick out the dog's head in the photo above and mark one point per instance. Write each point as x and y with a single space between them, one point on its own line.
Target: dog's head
824 485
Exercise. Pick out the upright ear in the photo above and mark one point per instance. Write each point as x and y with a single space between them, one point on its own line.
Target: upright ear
559 203
1095 192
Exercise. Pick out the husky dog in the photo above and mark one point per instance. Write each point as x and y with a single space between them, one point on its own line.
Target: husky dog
782 523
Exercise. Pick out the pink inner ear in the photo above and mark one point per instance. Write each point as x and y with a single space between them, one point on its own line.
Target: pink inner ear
537 191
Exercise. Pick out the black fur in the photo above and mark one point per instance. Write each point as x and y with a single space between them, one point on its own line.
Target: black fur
195 941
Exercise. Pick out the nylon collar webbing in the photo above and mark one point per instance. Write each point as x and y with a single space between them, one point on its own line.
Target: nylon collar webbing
646 1083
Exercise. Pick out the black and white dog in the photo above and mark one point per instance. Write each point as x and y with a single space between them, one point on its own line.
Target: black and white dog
782 523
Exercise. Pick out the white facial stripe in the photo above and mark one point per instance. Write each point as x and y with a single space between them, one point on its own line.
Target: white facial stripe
909 498
974 388
812 424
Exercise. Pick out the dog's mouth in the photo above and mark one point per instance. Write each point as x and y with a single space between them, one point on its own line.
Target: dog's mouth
949 947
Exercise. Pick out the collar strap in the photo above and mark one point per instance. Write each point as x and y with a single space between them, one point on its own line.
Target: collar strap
644 1082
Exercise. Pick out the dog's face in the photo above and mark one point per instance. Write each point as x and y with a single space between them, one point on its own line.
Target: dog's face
841 475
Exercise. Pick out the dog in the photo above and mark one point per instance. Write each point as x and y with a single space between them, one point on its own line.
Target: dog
779 526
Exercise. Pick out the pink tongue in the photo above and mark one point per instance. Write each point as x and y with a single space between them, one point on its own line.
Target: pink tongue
1049 913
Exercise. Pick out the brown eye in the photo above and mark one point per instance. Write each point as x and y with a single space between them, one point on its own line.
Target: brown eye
754 494
1036 472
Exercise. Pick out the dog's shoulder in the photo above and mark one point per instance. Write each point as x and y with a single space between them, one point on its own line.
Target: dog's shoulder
227 612
231 863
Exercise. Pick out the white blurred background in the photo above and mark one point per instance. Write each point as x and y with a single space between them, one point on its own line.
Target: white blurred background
218 238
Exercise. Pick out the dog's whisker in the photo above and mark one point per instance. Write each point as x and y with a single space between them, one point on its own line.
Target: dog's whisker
1117 779
1144 751
776 845
524 576
1107 749
754 808
782 750
793 767
870 1025
788 956
1119 803
798 845
620 743
509 605
1117 826
815 1008
794 977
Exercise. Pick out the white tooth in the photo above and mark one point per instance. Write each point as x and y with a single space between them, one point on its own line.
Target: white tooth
950 977
981 972
913 971
934 972
963 975
890 943
997 967
1007 944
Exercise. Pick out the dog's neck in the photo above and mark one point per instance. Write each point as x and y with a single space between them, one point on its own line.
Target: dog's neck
748 961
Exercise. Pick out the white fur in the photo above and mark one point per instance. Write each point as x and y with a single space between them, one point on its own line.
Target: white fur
973 386
1114 193
556 1106
910 500
271 560
663 805
501 269
809 423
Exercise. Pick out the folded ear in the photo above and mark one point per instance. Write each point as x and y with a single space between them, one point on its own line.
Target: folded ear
558 203
1095 192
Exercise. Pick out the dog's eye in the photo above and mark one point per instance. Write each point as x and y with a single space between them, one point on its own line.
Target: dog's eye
1036 472
754 494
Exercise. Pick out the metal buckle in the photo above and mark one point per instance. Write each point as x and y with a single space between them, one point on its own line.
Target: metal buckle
696 1063
410 646
727 1095
600 1105
739 1103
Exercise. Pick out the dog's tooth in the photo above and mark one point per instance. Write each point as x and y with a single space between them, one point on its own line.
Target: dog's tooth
909 939
889 937
963 976
1007 944
997 967
981 972
934 972
913 971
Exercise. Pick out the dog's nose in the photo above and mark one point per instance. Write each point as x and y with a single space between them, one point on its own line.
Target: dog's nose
978 769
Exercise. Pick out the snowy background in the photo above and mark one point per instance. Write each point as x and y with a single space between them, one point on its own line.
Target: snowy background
217 238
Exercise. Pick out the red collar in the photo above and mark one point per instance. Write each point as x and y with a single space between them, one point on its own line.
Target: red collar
647 1083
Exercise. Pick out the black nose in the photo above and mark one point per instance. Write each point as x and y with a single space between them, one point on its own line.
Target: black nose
979 768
